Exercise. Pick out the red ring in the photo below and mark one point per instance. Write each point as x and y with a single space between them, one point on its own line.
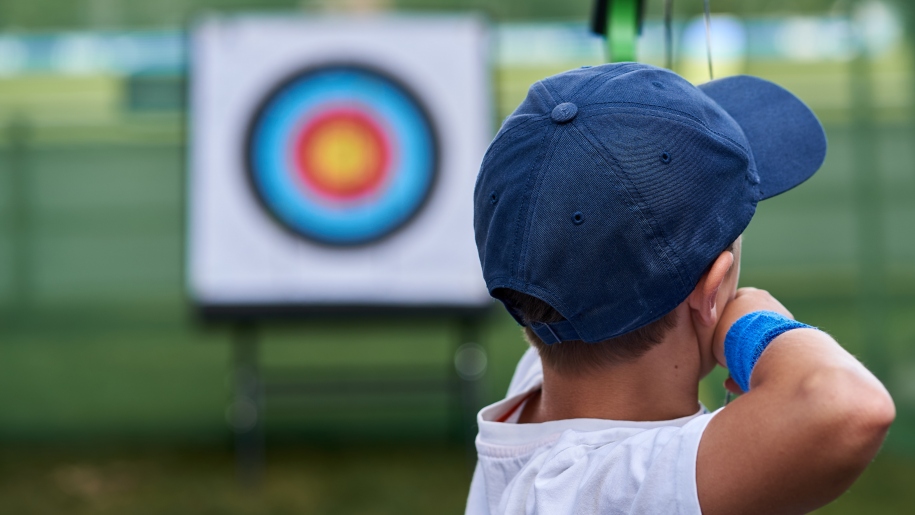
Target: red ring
372 174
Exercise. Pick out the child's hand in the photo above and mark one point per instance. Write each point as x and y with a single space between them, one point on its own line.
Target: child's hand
747 300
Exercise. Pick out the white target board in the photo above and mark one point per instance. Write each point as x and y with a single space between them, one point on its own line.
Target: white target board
332 161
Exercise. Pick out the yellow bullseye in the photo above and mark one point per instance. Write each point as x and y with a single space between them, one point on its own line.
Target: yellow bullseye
344 155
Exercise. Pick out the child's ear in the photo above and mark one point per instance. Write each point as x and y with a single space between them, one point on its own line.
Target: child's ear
703 301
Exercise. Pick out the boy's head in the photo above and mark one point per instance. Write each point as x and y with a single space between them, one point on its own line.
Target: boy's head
611 190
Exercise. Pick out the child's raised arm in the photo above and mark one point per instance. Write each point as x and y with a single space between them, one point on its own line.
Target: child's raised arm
812 421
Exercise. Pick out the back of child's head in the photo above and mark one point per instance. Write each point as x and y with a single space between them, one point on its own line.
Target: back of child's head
611 189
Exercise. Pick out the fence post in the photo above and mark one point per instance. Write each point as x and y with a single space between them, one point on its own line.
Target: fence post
18 135
246 413
870 233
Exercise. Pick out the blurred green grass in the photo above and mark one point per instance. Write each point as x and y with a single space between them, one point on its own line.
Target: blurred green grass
344 480
370 480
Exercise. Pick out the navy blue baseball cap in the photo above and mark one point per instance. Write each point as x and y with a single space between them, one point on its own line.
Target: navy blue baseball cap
611 189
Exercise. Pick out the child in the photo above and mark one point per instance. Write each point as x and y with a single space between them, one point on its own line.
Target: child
608 214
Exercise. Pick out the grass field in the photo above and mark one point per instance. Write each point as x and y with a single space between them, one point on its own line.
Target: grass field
368 480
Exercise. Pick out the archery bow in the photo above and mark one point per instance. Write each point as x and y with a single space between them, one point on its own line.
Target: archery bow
620 22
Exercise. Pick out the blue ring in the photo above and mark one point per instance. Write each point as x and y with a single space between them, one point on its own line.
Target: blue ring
273 170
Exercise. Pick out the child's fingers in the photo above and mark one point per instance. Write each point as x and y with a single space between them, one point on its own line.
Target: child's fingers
731 386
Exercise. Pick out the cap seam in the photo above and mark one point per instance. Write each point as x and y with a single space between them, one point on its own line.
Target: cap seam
535 198
555 97
488 156
750 163
521 228
573 94
647 220
678 112
522 124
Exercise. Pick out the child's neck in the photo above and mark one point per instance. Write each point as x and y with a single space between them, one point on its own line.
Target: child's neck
663 384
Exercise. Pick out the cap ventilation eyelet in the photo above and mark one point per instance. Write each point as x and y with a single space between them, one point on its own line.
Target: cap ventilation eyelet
493 198
665 157
578 218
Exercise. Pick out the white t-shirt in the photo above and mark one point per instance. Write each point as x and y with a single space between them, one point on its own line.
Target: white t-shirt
582 466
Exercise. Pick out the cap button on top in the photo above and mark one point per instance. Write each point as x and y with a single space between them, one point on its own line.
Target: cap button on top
564 112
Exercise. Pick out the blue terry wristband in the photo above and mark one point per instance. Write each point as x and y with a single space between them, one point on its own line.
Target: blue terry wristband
748 338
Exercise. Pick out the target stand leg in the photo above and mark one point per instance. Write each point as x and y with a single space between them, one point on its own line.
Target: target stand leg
470 362
247 409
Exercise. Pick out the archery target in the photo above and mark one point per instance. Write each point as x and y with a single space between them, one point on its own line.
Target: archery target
332 163
342 154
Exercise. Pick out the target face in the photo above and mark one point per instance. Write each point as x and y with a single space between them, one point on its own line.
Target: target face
342 155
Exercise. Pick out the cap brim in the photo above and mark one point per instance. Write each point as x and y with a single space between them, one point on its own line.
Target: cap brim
785 137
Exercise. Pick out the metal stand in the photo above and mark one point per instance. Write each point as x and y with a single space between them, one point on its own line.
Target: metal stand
252 385
470 363
246 412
